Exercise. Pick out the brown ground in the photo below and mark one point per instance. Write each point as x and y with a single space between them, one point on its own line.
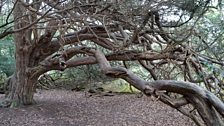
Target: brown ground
69 108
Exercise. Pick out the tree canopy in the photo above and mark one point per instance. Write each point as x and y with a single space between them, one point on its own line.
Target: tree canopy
178 42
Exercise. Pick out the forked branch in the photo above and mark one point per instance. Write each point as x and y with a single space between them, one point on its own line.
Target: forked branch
206 103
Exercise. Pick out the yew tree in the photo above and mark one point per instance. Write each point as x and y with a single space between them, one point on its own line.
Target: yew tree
172 39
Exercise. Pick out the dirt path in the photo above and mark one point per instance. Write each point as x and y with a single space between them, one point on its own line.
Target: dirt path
68 108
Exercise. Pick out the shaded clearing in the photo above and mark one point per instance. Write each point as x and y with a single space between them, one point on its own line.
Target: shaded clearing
70 108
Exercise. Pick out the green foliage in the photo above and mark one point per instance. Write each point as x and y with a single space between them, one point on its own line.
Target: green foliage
217 71
78 77
7 60
211 32
83 73
119 85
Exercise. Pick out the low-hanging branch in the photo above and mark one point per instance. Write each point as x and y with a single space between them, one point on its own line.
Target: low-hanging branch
206 103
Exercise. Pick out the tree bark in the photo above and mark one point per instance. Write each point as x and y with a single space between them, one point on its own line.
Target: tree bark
21 85
209 107
19 91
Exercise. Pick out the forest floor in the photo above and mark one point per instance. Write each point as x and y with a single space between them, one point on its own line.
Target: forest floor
70 108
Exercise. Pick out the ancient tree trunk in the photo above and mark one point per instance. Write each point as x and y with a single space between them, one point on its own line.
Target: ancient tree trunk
31 49
21 85
20 90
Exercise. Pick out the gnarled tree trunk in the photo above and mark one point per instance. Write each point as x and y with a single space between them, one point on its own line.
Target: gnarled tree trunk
21 85
20 90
